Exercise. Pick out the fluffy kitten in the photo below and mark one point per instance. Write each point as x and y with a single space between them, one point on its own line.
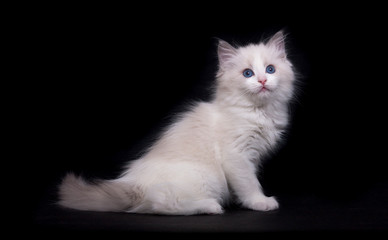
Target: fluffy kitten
213 151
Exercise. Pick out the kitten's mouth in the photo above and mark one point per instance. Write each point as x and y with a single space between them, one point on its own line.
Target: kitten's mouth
264 89
261 90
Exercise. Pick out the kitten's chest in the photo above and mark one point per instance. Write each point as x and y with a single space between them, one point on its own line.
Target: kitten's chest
256 133
262 130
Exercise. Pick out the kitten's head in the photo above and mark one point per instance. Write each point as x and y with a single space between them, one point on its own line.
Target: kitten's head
256 74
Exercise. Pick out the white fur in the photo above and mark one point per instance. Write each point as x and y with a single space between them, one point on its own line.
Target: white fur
210 153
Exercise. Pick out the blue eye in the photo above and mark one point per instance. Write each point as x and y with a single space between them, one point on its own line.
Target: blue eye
270 69
248 73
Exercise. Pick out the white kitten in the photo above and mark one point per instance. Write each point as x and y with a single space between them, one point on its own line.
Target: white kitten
213 151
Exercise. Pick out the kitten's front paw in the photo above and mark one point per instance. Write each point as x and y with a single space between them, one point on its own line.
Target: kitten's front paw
263 204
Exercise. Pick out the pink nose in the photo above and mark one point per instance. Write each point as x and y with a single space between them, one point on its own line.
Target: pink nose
263 81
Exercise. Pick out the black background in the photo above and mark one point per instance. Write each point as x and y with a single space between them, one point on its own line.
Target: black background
103 82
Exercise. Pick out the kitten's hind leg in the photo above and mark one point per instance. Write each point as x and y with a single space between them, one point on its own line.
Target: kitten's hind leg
179 207
203 206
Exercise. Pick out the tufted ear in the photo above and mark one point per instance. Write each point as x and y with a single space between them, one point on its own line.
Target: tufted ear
225 52
277 41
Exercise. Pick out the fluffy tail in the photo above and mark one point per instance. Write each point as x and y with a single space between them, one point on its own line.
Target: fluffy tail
74 192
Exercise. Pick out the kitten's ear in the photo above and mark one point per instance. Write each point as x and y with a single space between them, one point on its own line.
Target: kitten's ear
278 42
225 52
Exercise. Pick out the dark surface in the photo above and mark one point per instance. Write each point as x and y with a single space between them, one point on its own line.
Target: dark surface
366 212
102 83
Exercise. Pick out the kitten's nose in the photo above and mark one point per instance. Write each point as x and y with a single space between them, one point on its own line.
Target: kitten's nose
262 81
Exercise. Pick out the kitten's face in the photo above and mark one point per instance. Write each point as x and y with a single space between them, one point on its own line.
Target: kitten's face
259 73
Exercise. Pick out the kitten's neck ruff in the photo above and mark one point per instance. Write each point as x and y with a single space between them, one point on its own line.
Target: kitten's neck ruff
232 100
241 107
